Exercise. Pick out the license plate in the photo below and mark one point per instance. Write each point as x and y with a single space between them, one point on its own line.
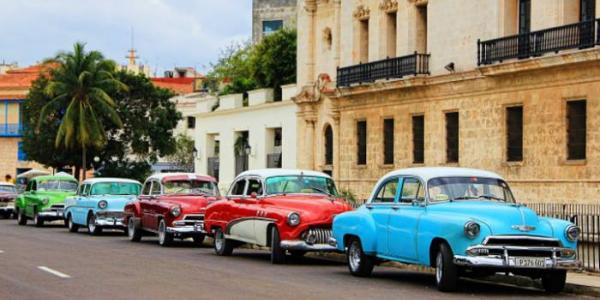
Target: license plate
529 262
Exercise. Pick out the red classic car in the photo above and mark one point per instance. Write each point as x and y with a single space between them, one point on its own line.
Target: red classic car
171 205
287 210
8 194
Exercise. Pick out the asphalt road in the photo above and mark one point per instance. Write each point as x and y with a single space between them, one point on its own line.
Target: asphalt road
51 263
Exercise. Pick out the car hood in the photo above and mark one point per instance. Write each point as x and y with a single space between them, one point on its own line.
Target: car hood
54 197
310 207
188 203
500 218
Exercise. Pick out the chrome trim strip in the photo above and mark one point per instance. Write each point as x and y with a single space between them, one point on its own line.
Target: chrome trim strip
303 246
499 262
519 237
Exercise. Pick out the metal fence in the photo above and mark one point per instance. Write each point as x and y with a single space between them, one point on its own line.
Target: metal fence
536 43
587 217
390 68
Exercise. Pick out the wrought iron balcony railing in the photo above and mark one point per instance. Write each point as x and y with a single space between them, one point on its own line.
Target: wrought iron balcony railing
536 43
389 68
11 130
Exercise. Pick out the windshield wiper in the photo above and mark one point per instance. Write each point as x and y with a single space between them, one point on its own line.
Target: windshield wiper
465 198
321 190
491 197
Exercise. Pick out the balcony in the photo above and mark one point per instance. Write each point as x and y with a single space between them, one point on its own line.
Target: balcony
536 43
390 68
11 130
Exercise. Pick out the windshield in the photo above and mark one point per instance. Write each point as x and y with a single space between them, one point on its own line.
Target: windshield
7 189
300 184
54 185
190 187
468 188
115 188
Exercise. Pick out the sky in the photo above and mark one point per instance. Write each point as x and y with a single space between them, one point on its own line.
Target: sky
166 33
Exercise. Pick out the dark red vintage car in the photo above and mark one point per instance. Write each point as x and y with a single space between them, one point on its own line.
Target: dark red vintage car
171 205
8 194
287 210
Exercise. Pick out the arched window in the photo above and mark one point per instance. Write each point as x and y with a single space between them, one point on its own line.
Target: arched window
328 145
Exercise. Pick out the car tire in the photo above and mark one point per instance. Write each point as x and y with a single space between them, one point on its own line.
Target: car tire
554 281
134 233
21 218
446 272
198 240
39 222
359 263
93 229
72 226
165 238
222 246
277 253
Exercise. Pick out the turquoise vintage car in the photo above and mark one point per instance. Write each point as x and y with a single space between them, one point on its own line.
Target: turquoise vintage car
463 222
99 204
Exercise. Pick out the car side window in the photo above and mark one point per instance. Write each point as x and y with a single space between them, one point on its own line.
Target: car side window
33 185
238 188
155 188
254 186
81 191
146 189
387 192
412 190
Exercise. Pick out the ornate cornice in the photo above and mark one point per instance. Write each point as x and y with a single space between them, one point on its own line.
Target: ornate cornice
389 6
362 13
310 6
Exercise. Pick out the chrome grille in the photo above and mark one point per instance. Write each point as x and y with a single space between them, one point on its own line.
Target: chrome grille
111 214
194 217
57 206
521 241
317 235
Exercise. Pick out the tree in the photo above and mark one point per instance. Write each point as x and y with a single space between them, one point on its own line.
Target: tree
234 69
78 86
184 153
148 116
274 60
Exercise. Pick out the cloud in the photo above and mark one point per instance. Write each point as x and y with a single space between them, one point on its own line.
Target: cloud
167 33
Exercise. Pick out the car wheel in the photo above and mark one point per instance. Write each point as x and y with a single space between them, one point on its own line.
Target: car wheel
134 233
165 239
72 226
198 239
446 272
277 253
21 218
359 263
223 246
554 281
39 222
93 229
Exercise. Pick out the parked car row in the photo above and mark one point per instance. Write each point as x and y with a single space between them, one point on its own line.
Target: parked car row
462 222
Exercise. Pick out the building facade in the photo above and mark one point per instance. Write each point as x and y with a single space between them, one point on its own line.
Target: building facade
510 86
271 15
14 87
232 137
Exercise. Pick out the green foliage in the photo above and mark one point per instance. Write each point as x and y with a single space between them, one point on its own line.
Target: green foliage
241 142
184 153
148 118
348 196
268 64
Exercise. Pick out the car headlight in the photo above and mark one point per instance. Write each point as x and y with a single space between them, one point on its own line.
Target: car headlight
572 233
102 204
293 219
472 229
176 211
45 200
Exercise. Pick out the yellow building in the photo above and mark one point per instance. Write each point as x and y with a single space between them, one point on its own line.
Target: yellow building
14 86
511 86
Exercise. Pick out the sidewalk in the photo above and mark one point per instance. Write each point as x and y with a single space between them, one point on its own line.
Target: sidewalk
583 283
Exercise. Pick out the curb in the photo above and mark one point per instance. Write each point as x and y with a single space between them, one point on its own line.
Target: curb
520 281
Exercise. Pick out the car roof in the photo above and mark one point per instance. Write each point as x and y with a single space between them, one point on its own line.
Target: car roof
427 173
109 179
163 176
264 173
60 177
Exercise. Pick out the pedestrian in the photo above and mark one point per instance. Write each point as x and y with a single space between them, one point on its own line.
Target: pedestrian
8 178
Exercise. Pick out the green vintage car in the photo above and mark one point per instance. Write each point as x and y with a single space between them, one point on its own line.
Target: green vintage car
44 199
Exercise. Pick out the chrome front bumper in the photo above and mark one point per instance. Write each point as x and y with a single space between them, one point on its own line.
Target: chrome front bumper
51 214
553 260
197 228
304 246
9 208
110 222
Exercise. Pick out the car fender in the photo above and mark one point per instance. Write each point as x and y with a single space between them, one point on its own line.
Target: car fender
558 231
133 209
355 223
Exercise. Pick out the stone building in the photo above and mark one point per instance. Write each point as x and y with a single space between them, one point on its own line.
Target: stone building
271 15
511 86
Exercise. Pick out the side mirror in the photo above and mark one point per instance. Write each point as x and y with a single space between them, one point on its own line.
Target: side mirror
253 195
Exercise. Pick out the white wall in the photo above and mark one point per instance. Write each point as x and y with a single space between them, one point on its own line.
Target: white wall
254 119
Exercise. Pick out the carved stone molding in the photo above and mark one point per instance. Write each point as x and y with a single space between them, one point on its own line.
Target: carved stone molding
310 6
362 13
389 6
419 2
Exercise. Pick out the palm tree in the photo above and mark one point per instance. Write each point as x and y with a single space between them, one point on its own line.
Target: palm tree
78 87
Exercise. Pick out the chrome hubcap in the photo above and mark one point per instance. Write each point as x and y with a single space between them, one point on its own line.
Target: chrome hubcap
161 232
354 256
439 267
219 241
130 228
70 223
92 224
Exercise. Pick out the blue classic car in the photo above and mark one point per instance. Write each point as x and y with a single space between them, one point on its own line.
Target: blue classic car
462 222
99 204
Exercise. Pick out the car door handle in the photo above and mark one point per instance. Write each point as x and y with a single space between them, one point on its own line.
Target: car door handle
395 207
369 206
